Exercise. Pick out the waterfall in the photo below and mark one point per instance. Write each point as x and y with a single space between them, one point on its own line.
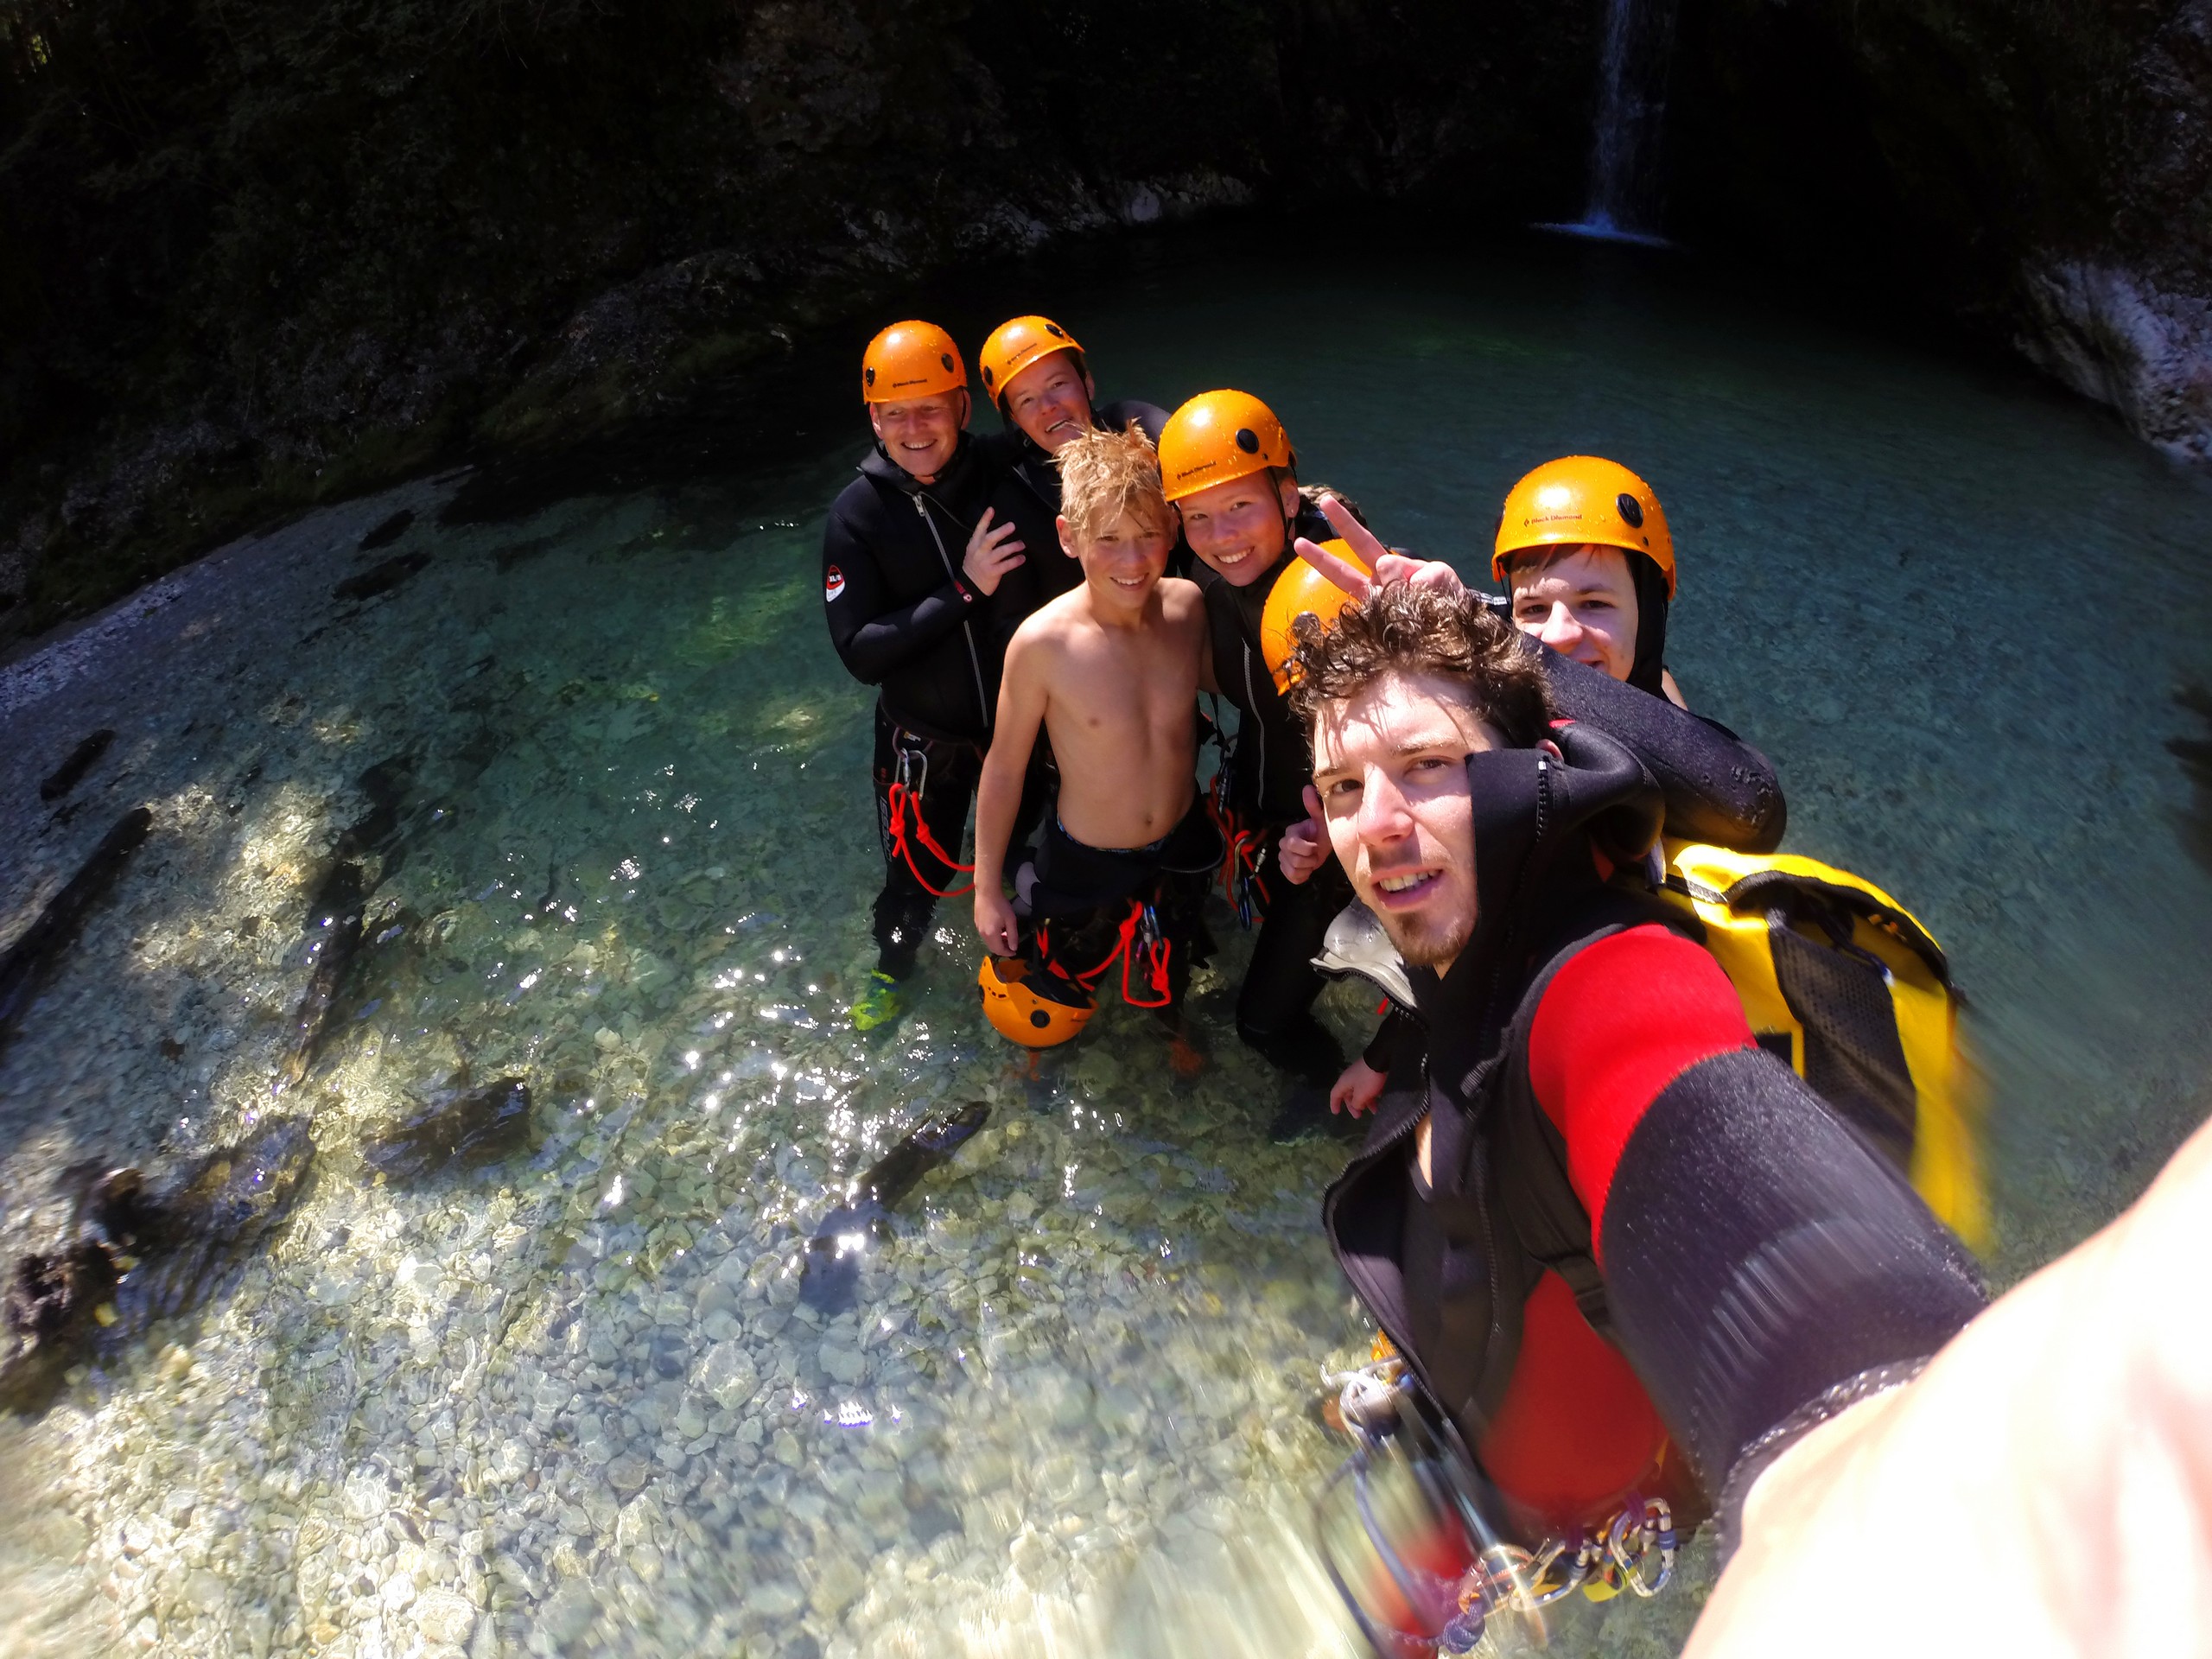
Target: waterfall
1626 184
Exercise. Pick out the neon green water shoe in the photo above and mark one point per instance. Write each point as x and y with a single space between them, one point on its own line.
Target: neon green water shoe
881 1004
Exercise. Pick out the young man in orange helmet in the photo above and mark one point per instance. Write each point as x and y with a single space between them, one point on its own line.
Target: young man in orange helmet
1227 466
911 562
1037 374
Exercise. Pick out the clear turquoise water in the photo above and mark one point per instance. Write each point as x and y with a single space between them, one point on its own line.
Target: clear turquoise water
570 1405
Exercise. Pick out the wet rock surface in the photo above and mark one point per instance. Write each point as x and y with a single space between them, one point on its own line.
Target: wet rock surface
67 776
830 1278
380 578
138 1249
459 1128
2043 176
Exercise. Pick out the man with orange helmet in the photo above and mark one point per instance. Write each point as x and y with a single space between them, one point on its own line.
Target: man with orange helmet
912 560
1584 552
1037 374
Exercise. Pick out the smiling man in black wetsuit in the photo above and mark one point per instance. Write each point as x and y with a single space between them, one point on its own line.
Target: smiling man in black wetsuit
1036 373
910 563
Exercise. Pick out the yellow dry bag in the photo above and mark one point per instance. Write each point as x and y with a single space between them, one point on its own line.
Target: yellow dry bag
1842 981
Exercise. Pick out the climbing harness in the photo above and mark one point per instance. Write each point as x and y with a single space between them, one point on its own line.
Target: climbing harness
1445 1573
1140 940
904 797
1243 852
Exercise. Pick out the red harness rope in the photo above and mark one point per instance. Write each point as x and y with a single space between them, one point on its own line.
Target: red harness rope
1241 852
1153 946
901 799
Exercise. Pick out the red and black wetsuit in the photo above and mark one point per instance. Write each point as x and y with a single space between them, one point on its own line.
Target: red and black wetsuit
1640 1228
905 618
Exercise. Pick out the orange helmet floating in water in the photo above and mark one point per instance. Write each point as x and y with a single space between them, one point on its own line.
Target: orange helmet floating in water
1218 437
1301 591
1014 345
911 360
1031 1006
1581 499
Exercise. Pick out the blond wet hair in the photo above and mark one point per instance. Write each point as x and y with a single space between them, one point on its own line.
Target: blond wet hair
1105 474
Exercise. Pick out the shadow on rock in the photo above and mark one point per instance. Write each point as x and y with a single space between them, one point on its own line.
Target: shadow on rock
25 964
135 1252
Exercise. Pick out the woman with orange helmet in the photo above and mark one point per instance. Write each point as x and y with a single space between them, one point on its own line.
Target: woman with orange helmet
1583 552
1036 373
912 560
1229 468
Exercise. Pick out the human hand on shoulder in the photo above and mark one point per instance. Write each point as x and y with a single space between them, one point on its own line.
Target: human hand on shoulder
2056 1453
990 555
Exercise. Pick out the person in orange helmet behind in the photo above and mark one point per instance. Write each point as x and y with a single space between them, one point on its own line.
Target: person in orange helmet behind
1587 561
911 564
1036 373
1227 466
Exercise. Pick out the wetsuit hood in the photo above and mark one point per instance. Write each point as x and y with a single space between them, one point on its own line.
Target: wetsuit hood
1650 660
1537 819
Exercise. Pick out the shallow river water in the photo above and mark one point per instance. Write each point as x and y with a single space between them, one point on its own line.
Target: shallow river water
570 1404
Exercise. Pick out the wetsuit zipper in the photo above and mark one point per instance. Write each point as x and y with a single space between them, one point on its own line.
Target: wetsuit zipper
975 662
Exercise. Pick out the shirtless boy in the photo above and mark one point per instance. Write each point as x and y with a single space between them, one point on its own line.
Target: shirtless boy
1111 670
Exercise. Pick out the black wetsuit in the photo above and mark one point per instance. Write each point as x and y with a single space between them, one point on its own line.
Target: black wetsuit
1028 496
1638 1225
1268 767
905 620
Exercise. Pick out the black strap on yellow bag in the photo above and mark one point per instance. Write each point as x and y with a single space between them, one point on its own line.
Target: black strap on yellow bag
1842 980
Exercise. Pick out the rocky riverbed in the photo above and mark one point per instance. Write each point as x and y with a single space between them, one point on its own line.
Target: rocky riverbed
568 1399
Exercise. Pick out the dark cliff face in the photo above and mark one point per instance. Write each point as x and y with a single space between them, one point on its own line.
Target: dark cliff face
253 253
258 253
2043 169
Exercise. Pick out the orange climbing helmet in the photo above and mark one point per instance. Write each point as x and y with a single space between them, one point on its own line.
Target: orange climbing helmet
1218 436
1014 345
1031 1006
1299 591
1582 499
911 360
